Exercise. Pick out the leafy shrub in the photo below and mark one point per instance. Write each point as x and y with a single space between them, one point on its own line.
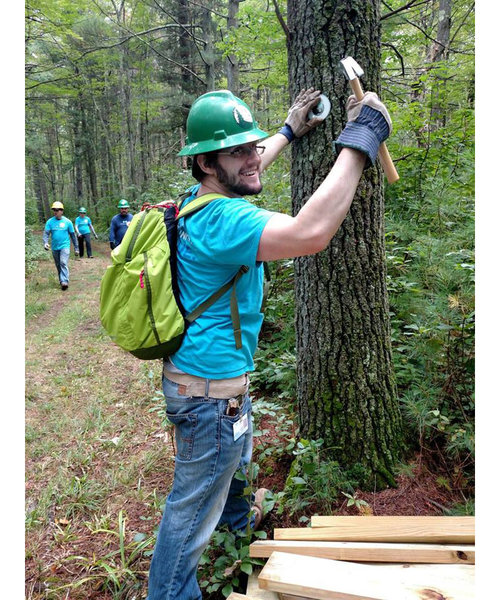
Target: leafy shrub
33 249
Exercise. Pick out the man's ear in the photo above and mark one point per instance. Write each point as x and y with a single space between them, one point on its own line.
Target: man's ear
202 163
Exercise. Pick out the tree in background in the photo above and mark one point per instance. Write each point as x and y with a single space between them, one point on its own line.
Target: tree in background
346 385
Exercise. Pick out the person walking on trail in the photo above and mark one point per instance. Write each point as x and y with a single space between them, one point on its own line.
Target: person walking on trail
61 229
206 381
119 224
83 227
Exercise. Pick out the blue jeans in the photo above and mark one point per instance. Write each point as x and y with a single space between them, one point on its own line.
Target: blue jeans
61 258
204 492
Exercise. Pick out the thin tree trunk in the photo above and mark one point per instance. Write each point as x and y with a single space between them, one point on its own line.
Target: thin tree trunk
439 51
42 200
232 64
209 51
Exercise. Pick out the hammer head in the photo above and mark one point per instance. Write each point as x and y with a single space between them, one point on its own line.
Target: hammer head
350 68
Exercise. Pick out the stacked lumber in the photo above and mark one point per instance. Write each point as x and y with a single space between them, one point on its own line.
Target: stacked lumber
368 558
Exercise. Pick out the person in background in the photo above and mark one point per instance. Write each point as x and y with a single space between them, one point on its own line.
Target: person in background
119 224
61 229
83 227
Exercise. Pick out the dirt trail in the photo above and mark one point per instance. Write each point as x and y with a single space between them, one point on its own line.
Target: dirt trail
95 441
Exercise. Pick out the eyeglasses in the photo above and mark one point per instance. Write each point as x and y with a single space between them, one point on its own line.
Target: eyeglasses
244 151
56 209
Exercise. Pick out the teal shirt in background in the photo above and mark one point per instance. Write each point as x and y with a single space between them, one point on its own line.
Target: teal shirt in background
60 229
83 224
212 245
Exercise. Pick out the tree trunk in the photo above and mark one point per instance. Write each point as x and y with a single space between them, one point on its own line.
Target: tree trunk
439 51
128 137
208 51
40 187
89 152
232 64
346 384
78 154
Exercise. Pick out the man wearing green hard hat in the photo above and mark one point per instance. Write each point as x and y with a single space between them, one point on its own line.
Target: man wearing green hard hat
119 224
206 381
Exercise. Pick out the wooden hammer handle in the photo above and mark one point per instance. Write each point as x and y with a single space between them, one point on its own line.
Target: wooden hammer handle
383 153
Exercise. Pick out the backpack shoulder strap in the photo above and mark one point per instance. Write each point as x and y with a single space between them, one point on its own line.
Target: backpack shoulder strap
197 204
235 314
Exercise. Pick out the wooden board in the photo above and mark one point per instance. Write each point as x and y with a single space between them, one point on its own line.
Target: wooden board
438 530
256 592
370 551
321 578
235 596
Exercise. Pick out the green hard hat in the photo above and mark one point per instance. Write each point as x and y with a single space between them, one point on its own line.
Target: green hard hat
219 120
123 204
82 209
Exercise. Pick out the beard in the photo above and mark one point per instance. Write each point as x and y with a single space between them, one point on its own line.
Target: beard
233 185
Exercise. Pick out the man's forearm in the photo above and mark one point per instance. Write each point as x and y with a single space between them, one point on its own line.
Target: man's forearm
316 223
45 237
274 146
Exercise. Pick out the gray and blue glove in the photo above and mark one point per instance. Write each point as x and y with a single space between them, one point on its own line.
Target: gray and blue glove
368 125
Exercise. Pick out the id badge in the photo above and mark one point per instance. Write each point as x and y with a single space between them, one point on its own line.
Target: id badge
240 427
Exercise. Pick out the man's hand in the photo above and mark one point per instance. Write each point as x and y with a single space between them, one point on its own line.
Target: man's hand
370 99
368 125
297 114
95 235
46 246
77 252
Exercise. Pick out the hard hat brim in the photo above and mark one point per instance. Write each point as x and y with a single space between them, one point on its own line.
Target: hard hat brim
254 135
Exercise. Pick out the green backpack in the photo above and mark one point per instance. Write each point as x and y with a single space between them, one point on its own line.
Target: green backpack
139 297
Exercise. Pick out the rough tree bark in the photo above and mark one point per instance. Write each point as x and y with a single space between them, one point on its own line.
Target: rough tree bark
346 385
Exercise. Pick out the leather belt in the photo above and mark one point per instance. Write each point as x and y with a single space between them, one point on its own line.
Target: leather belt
191 385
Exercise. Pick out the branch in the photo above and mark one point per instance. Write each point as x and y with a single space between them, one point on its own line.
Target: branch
184 27
209 9
68 77
281 20
121 27
401 60
429 37
126 39
410 4
462 23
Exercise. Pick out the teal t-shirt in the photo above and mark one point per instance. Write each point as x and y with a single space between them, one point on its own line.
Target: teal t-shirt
212 245
83 224
60 230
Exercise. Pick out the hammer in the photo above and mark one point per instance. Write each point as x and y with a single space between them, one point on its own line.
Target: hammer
353 72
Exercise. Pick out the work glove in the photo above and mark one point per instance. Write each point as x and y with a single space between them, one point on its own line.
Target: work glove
95 235
297 113
112 245
77 252
46 246
80 235
368 125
